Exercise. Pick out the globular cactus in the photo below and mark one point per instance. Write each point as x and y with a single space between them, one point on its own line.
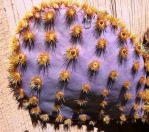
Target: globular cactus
71 63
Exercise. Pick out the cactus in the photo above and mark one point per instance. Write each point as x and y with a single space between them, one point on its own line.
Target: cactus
71 63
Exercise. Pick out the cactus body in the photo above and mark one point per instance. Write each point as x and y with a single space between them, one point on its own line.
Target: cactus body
73 62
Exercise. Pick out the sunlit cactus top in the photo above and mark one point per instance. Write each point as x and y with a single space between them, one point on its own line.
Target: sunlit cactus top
72 63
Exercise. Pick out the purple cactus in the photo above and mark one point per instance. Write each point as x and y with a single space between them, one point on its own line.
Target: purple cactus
73 63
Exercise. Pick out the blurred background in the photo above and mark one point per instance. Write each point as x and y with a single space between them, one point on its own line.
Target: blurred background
134 13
